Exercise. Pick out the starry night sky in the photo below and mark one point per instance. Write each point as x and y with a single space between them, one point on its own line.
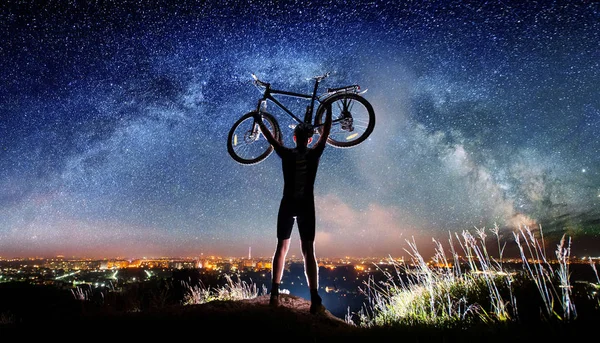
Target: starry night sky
114 118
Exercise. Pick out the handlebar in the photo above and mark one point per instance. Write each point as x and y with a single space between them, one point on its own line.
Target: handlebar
260 83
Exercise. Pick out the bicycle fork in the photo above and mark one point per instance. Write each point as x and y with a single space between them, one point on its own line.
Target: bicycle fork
260 108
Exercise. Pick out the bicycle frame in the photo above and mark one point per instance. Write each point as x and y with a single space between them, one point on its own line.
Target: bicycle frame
269 92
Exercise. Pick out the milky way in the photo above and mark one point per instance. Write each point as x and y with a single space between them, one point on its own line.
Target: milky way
114 119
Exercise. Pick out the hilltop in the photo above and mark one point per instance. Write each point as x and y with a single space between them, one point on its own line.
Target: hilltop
245 320
253 320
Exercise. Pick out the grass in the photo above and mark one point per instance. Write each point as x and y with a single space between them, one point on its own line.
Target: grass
470 288
233 290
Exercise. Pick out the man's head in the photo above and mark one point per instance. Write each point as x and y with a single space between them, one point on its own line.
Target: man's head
303 135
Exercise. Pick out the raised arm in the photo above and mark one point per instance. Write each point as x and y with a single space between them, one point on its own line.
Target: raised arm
322 142
267 133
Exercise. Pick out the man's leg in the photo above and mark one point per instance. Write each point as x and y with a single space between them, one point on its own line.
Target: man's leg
310 264
285 222
311 269
283 246
306 228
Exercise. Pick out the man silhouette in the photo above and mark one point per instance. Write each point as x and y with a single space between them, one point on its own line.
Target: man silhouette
299 167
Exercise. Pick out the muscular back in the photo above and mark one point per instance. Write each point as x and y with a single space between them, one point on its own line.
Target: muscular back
299 171
299 164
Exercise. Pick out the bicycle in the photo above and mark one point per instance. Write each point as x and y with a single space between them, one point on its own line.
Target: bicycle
353 119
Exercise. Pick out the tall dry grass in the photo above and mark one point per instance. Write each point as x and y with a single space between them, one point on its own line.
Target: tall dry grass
233 290
469 286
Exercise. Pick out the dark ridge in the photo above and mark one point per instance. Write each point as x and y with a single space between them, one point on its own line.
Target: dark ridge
253 320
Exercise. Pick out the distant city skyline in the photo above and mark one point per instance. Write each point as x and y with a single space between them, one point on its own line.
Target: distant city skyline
114 119
291 258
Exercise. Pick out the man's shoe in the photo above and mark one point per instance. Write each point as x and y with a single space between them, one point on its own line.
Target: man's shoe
274 301
317 308
316 303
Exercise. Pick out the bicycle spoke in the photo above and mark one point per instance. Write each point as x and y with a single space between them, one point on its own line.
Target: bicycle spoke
247 144
352 120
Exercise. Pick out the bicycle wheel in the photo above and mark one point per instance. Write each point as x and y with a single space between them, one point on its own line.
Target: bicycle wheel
352 119
246 144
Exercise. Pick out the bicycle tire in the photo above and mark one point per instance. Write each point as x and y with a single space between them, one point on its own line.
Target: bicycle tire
350 126
245 146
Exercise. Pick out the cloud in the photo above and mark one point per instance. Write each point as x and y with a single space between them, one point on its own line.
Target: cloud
376 229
